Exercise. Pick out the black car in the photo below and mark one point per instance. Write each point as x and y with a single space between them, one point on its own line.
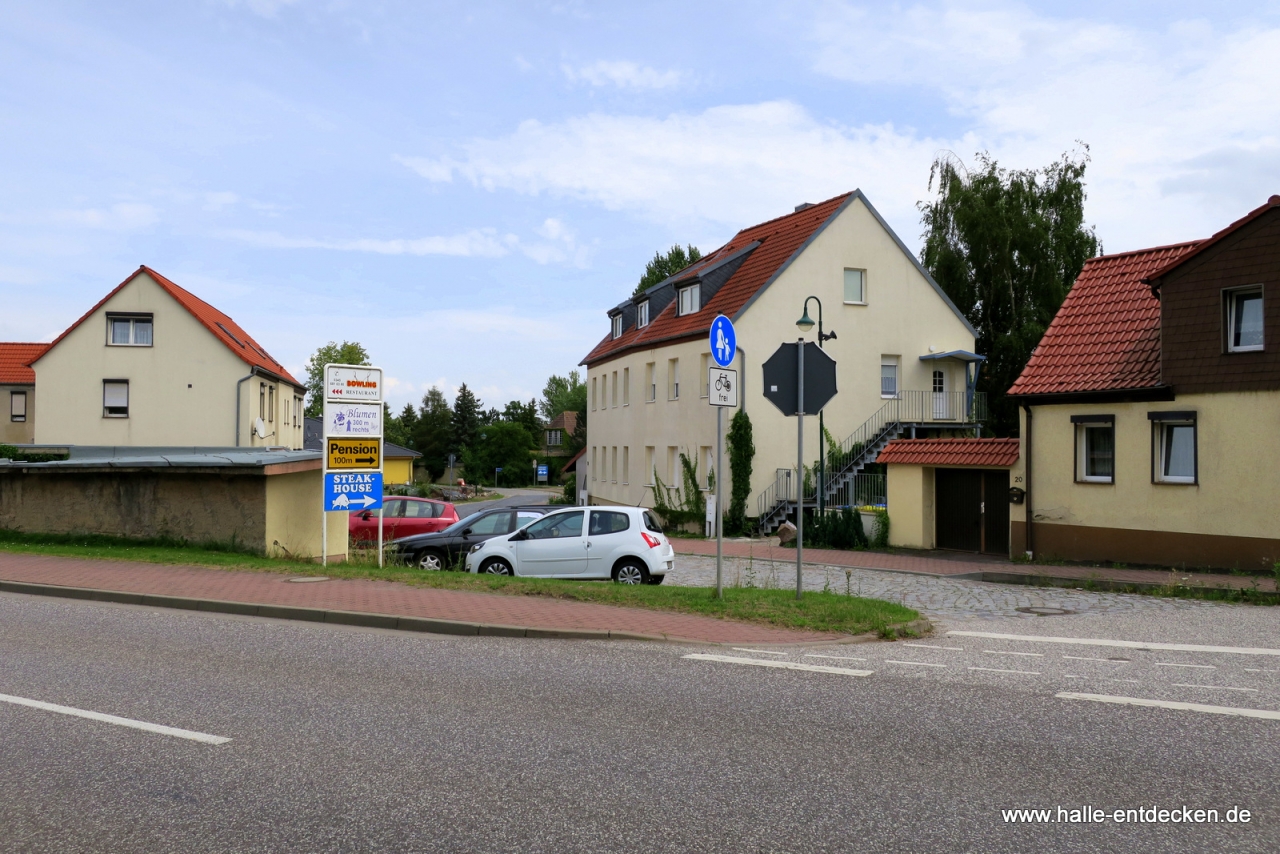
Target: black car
448 548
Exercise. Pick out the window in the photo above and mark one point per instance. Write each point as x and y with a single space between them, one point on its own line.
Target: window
1173 445
689 299
492 524
421 510
129 330
626 464
649 469
593 393
557 526
115 398
608 522
709 466
614 399
613 465
651 382
17 406
262 400
673 379
626 386
705 376
888 376
642 315
1095 448
617 325
673 464
554 437
854 290
593 462
1244 320
271 403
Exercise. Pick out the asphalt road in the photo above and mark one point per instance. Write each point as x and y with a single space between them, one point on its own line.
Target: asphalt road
346 739
510 498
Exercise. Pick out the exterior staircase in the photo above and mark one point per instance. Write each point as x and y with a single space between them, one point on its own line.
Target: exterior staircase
844 482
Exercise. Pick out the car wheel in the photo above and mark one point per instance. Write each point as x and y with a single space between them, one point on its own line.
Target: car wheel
631 572
496 566
656 579
430 560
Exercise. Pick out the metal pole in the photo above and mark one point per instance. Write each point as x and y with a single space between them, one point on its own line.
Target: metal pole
719 522
324 535
799 465
379 538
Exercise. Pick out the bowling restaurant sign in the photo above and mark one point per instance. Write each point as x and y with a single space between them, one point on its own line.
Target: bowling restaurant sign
352 383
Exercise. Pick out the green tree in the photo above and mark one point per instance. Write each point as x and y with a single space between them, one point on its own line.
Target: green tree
506 445
563 394
526 415
398 429
664 266
432 432
466 420
1006 246
346 353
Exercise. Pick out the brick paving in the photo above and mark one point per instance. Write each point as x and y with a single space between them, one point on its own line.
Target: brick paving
385 597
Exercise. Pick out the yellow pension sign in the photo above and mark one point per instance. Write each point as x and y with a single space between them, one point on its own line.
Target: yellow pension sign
358 454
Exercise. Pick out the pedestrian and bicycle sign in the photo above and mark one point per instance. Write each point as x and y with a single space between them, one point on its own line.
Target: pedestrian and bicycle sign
353 491
724 341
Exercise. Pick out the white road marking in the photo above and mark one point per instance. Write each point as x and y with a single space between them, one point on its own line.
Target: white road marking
1004 652
785 665
914 663
931 646
1200 666
996 670
761 651
1259 670
1134 681
1214 687
1078 658
118 721
1165 704
1172 647
837 657
1070 676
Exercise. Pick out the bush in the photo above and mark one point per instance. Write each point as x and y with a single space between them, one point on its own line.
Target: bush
880 539
841 529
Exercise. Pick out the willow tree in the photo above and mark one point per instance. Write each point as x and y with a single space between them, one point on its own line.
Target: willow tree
1006 246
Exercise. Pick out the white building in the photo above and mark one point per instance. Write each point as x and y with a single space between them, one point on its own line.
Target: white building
904 358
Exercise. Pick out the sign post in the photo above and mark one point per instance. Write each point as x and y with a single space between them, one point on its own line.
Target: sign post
723 385
352 439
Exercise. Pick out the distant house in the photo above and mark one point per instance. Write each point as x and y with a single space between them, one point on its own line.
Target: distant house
1150 407
557 438
18 391
397 462
153 365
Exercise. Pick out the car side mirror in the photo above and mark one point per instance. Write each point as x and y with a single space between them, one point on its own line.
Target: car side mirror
519 535
366 515
466 532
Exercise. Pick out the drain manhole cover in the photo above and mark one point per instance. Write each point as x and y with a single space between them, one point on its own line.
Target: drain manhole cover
308 580
1045 611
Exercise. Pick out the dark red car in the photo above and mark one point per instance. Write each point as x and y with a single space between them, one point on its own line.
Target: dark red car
401 517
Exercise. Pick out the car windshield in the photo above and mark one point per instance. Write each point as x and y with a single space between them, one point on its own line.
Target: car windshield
464 522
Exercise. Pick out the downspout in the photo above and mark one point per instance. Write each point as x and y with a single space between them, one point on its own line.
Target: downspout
742 381
1030 511
252 373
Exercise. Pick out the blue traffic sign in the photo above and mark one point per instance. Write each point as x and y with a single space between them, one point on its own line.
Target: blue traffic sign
542 471
724 341
353 490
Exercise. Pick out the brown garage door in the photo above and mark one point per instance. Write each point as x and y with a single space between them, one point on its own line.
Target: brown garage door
972 510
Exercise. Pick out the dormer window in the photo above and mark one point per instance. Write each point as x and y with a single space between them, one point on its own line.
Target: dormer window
642 315
129 330
689 299
617 325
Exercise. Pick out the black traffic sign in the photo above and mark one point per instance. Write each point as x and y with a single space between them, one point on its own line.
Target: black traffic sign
781 380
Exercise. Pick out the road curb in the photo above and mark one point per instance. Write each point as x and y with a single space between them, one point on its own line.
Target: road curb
364 619
1109 584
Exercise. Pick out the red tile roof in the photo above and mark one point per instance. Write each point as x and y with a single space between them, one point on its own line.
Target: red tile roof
223 328
951 452
15 361
1106 335
779 240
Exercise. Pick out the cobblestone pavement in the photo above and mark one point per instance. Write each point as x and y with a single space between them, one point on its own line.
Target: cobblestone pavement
936 597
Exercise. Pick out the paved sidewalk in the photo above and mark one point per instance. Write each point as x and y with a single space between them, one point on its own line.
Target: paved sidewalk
962 565
345 596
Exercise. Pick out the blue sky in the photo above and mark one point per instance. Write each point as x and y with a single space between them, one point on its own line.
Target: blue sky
466 187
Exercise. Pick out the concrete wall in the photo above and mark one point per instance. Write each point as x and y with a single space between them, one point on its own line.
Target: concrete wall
1229 518
182 389
17 432
903 316
293 517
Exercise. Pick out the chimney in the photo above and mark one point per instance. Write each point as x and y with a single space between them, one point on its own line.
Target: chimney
802 206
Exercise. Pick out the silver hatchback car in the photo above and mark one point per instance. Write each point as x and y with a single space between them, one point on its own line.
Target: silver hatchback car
622 543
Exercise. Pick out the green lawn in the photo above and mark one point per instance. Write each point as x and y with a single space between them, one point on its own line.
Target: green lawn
829 612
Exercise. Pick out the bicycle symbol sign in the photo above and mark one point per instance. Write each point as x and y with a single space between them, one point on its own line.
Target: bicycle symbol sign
724 342
723 385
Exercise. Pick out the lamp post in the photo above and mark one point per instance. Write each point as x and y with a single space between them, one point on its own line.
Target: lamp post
805 324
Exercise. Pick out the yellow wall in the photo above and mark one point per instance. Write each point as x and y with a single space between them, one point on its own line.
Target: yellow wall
182 390
910 506
293 510
17 432
1239 460
903 316
399 470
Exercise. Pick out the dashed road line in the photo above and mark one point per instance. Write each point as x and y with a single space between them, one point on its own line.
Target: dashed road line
784 665
997 670
1104 660
1005 652
1214 687
931 646
114 719
836 657
914 663
1166 704
1170 647
761 651
1198 666
1259 670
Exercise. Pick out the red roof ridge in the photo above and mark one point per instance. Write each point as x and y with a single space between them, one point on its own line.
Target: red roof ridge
1127 252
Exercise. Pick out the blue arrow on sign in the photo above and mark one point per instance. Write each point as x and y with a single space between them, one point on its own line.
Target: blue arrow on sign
724 341
353 491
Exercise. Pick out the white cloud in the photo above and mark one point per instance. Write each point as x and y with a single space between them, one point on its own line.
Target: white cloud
475 243
123 216
624 75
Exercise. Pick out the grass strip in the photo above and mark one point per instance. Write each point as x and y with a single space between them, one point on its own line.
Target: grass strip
816 611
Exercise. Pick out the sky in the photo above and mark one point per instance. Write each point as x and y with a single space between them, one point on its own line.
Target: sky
466 187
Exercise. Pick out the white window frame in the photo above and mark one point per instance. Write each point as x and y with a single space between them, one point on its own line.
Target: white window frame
613 465
106 407
614 398
1232 298
1082 451
14 414
594 385
133 320
642 314
1160 447
554 438
891 362
626 386
673 379
862 286
690 299
617 325
651 382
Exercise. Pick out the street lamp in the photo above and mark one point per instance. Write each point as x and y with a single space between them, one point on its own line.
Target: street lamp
805 323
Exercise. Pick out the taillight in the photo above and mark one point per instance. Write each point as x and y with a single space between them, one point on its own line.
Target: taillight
652 542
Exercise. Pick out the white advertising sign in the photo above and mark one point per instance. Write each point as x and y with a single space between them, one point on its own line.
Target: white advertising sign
724 386
347 382
352 419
